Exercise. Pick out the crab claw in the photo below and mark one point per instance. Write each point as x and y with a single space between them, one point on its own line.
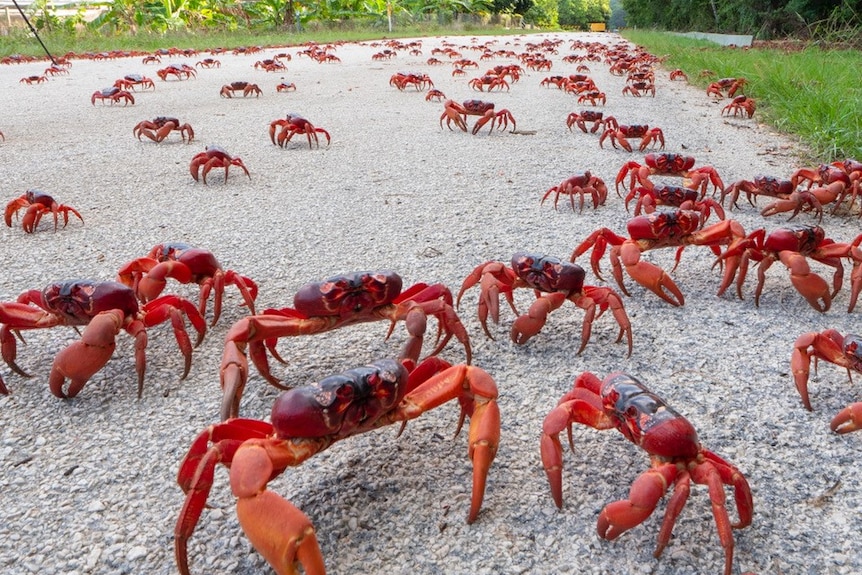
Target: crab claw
280 532
648 275
810 285
848 419
83 358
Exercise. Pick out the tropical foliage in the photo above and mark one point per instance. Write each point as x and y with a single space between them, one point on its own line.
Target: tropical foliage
125 16
159 16
836 19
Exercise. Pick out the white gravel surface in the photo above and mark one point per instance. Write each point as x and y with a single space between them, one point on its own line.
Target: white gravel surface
88 485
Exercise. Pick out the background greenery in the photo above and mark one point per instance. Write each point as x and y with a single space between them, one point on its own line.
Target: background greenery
136 16
820 19
829 20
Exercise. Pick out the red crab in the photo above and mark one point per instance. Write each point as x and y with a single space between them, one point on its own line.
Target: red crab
676 196
270 65
619 133
33 80
209 63
773 187
793 245
112 95
245 88
435 94
105 308
488 82
130 81
307 420
53 70
677 458
337 302
834 181
455 112
593 97
841 350
186 264
678 229
668 164
638 89
580 119
161 127
214 157
177 71
403 79
285 87
38 203
678 74
553 282
558 81
580 185
732 85
294 124
740 106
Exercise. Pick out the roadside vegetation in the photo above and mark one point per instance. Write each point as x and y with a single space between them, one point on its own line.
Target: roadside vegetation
803 89
59 44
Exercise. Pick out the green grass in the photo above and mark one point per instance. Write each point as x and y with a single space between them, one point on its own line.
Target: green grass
813 93
21 42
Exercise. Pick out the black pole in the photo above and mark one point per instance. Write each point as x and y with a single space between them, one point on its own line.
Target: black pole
20 11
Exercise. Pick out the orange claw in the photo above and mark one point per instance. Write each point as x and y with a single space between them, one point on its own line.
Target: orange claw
848 419
646 274
280 532
811 286
83 358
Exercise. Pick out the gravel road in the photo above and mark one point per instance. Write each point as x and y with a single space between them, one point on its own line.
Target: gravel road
88 485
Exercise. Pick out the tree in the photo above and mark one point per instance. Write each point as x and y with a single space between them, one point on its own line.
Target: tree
618 15
519 7
763 18
579 13
543 13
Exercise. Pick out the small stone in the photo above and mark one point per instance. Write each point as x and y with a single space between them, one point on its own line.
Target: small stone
136 552
92 558
95 506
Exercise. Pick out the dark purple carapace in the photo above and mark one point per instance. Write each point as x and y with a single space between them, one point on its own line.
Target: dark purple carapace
79 301
664 225
548 274
646 420
340 405
348 294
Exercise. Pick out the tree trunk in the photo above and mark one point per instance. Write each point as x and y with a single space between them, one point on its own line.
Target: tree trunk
289 15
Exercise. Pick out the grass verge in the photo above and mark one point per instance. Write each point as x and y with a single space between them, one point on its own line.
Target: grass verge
20 41
813 93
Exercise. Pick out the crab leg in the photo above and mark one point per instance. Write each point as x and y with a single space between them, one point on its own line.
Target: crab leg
577 406
476 391
647 490
494 279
